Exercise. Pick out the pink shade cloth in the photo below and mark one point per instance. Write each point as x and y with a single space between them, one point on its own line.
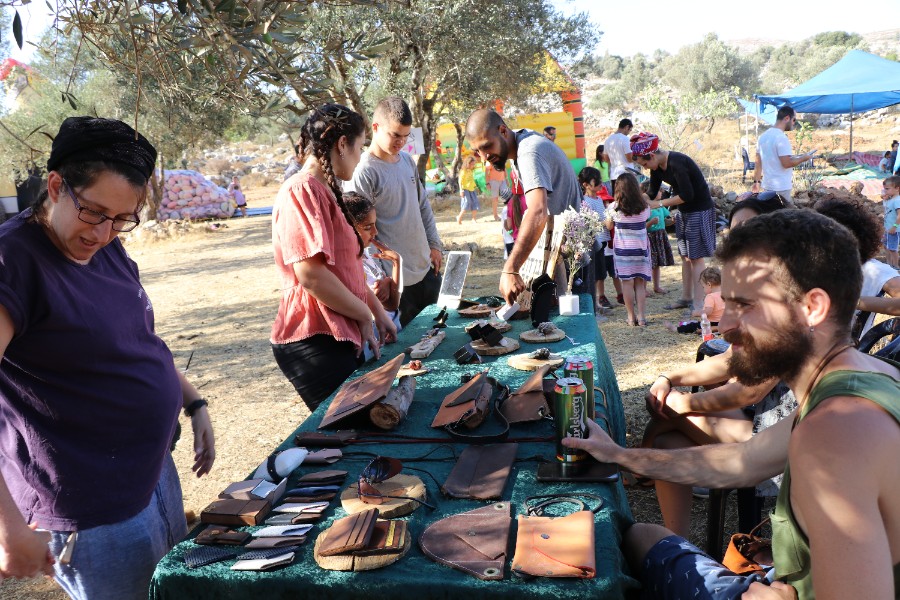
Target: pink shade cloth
306 221
714 306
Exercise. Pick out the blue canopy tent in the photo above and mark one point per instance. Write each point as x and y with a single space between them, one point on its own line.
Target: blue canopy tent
858 82
766 114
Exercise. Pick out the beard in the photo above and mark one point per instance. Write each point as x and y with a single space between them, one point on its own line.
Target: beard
499 162
781 355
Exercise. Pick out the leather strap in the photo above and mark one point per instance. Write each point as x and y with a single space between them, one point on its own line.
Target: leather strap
537 510
270 467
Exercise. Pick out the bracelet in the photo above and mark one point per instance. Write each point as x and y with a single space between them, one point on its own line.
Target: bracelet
509 272
666 378
194 406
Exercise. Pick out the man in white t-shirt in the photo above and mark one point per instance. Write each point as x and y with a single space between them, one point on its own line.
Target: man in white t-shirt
774 161
617 151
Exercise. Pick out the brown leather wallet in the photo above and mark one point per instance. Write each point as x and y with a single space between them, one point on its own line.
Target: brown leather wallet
556 546
236 512
348 534
528 403
388 537
362 392
216 535
474 542
468 403
481 472
331 476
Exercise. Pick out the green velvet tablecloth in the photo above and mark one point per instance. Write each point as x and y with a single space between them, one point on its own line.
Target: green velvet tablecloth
416 576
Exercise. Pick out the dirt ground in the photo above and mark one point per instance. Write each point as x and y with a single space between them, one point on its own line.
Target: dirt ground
215 294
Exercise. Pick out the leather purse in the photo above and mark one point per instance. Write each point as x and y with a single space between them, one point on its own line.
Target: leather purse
747 553
474 542
230 511
215 535
556 546
467 405
529 402
348 534
481 472
354 396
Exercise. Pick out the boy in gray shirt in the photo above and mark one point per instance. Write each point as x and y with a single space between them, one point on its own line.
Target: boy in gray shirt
405 220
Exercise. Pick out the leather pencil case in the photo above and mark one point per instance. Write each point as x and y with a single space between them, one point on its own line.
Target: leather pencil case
556 546
350 533
231 511
528 403
216 535
481 472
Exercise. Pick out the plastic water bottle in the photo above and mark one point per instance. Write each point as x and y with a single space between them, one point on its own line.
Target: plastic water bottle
706 328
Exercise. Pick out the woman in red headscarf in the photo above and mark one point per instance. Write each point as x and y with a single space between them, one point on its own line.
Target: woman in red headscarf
695 221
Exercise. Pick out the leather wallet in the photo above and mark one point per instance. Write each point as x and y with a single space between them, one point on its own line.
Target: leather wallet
556 546
198 557
388 537
323 456
282 531
528 403
348 534
474 542
293 519
481 472
276 542
216 535
329 477
468 403
255 489
230 511
285 557
356 395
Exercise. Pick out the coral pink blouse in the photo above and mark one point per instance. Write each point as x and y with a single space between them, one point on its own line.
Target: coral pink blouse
306 220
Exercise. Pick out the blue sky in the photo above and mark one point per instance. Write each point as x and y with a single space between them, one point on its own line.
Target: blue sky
632 27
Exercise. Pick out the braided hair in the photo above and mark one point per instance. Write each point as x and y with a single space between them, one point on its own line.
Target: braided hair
320 134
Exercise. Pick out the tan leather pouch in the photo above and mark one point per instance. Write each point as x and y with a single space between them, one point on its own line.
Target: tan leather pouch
556 546
528 403
467 404
349 534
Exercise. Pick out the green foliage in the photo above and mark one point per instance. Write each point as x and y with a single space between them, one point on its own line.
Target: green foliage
708 66
837 38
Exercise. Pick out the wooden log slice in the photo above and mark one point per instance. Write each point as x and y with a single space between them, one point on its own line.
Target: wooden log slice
349 562
398 485
523 362
482 348
533 336
477 312
501 326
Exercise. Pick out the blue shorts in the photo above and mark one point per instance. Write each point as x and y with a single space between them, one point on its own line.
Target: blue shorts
674 568
891 241
469 201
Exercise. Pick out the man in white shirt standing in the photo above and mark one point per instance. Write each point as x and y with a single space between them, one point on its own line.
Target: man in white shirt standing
774 161
617 150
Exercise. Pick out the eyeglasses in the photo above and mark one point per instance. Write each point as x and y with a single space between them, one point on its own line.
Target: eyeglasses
92 217
378 471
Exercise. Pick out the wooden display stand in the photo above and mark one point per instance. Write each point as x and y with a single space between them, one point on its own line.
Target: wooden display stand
398 485
533 336
484 349
349 562
524 362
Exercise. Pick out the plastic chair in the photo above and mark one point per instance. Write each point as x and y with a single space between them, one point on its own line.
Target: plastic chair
749 165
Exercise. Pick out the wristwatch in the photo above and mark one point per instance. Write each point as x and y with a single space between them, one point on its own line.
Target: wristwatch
194 406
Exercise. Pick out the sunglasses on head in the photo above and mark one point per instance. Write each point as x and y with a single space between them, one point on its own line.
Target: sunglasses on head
378 471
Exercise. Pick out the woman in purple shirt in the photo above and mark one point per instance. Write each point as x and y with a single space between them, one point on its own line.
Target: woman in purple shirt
89 394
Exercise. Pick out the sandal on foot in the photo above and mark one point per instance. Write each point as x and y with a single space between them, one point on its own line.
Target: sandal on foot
678 304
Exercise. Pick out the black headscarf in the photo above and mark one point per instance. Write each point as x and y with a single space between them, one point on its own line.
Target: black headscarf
85 139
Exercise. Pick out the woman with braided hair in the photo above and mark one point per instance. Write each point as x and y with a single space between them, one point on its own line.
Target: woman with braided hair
326 310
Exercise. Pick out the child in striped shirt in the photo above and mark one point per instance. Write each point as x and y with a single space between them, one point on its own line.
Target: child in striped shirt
628 215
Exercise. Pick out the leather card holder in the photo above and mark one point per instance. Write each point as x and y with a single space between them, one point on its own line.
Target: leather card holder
388 537
285 557
216 535
230 511
328 477
481 472
207 555
349 533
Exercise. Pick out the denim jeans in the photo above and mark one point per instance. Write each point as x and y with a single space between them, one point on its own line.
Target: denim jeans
116 561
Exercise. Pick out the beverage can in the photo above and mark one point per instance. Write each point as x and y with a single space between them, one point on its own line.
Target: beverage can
583 368
570 417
